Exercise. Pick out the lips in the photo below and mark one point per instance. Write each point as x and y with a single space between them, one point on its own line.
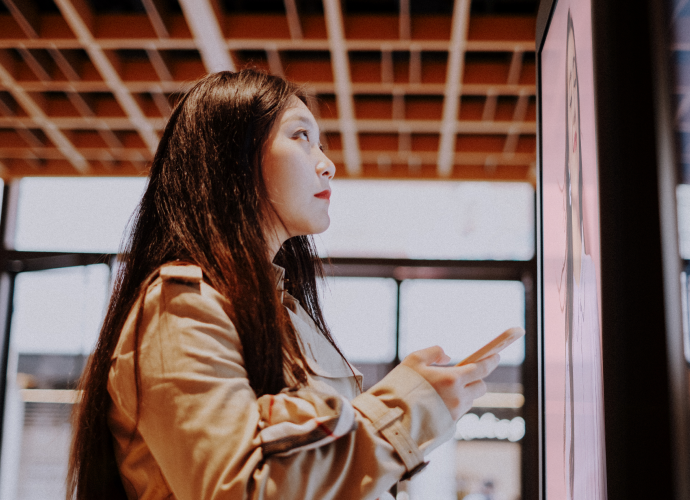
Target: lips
324 195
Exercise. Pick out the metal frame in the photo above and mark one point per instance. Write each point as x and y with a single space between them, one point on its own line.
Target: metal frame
544 16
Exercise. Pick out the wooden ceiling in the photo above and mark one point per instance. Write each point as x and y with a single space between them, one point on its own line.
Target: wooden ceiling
404 88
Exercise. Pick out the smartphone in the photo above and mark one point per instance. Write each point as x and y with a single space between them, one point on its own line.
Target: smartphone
496 345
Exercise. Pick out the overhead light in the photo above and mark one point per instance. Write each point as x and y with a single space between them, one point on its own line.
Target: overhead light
50 396
499 400
470 427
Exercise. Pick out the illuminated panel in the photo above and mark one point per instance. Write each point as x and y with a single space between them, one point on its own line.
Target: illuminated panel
572 378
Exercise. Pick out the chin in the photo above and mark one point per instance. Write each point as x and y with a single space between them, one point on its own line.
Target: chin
321 226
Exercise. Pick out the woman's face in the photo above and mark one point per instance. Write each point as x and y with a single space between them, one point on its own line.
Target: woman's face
297 174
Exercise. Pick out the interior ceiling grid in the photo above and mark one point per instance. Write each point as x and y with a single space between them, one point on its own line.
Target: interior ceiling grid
403 95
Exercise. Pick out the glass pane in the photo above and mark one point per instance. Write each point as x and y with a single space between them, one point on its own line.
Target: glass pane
430 220
75 214
361 313
59 311
461 470
55 324
460 316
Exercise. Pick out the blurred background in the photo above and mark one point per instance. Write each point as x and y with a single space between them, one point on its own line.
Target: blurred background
427 108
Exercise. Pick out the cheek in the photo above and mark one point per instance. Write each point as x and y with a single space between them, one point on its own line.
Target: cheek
277 176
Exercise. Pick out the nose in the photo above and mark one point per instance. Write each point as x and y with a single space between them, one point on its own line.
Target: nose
325 167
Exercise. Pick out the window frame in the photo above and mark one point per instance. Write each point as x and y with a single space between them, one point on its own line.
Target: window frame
13 262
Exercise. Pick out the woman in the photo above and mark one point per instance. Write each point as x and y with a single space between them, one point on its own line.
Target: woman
215 375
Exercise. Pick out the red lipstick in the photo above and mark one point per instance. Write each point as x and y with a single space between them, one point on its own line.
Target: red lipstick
326 195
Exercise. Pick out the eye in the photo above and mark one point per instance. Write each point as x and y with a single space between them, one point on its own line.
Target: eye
321 147
302 134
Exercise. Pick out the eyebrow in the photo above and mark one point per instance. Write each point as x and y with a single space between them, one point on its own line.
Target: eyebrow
301 118
306 121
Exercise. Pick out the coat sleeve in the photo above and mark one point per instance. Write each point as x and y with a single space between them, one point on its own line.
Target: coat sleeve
213 439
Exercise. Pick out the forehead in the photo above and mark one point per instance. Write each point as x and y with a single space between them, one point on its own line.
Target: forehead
298 111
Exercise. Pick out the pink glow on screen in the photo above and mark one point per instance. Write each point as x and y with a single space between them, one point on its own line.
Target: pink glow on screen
574 425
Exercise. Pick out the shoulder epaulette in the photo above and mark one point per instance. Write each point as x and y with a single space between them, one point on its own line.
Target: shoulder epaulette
186 273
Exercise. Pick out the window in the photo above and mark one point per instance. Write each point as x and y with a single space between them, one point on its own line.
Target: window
460 316
74 214
430 220
361 313
377 308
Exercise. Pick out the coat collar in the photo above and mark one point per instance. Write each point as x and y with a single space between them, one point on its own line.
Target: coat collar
279 275
288 300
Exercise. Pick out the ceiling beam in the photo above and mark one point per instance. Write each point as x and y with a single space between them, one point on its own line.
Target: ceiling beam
38 119
521 107
282 44
490 104
80 19
415 64
37 63
294 24
109 137
387 72
325 124
398 111
404 21
451 101
404 141
65 65
343 86
515 67
157 12
162 103
274 63
160 65
81 104
25 14
92 154
318 87
203 20
518 117
511 142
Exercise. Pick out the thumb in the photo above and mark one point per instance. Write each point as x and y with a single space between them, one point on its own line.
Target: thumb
431 355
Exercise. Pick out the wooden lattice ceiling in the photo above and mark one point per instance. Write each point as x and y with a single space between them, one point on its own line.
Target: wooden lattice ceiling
405 88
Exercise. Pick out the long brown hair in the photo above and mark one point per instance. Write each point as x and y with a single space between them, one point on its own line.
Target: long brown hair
205 203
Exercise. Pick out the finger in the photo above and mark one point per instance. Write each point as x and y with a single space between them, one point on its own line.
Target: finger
480 369
492 362
476 389
431 355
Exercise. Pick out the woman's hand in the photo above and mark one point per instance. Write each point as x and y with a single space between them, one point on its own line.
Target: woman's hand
458 386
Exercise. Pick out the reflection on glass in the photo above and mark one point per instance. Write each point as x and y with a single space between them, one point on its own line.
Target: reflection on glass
75 214
55 323
460 316
430 220
683 202
361 313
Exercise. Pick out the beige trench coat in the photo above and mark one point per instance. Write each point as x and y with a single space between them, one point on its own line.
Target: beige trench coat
203 434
